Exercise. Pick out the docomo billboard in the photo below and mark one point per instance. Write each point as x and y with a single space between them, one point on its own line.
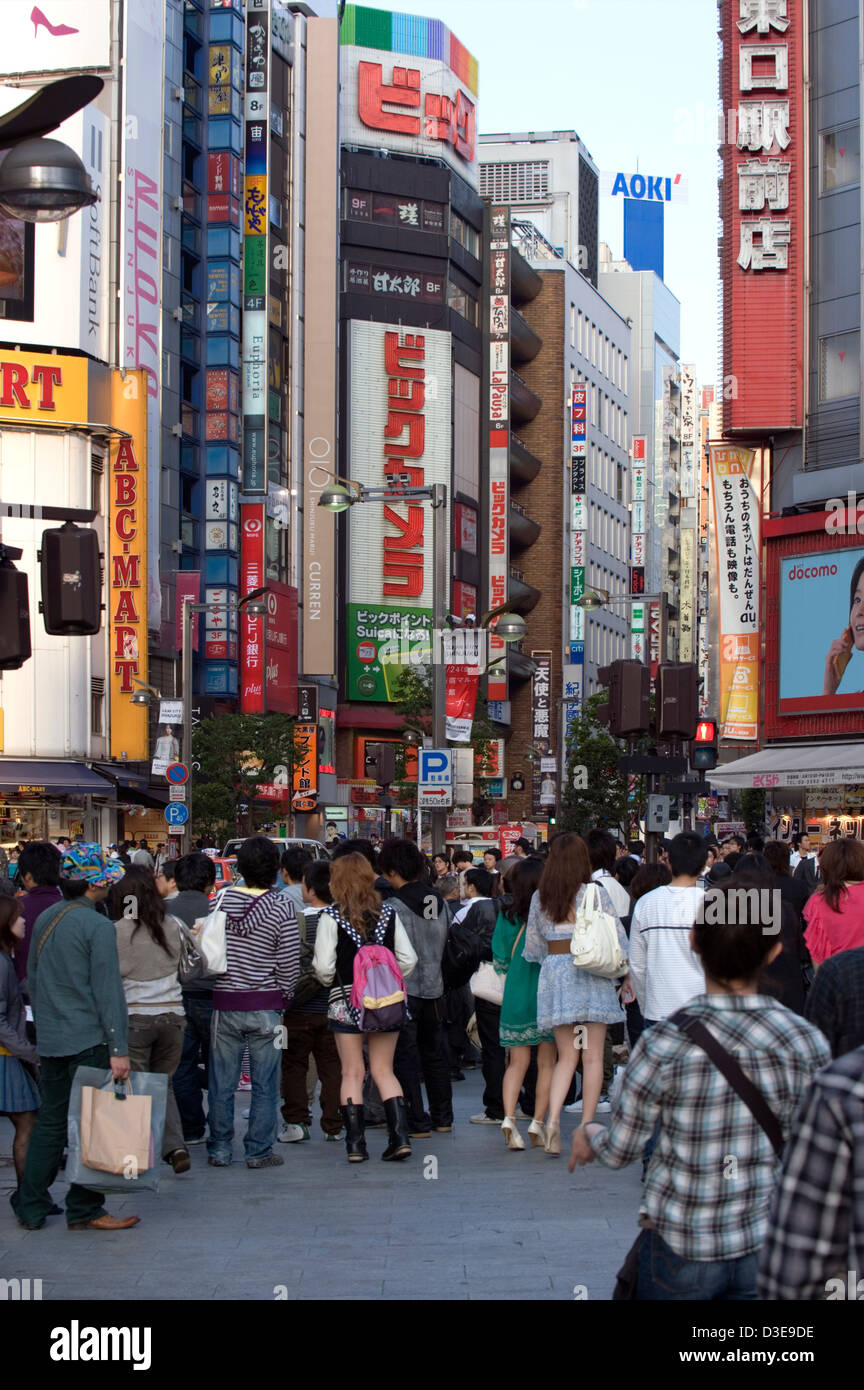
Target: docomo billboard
400 407
127 565
736 539
140 292
764 251
814 625
252 522
409 85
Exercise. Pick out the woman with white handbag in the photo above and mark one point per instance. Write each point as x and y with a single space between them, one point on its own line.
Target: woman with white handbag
574 932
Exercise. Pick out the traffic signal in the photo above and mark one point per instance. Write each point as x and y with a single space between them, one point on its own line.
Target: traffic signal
14 613
71 581
677 700
380 763
703 750
628 708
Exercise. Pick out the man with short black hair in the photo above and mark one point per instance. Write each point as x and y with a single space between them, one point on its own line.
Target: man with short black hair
39 866
194 876
665 971
263 950
636 849
291 868
420 1050
601 851
307 1034
165 884
463 860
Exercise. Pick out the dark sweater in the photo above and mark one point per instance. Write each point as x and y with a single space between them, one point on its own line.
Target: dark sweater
189 906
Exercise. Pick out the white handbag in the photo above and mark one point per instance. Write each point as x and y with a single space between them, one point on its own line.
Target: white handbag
209 934
594 944
487 984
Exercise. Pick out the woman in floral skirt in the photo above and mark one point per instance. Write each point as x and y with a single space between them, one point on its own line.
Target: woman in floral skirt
577 1006
518 1027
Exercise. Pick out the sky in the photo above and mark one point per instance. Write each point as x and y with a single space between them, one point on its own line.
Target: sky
637 80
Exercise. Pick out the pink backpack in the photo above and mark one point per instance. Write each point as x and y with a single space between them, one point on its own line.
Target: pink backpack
378 1002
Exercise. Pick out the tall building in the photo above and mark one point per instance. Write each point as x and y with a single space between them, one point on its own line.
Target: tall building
654 313
785 474
411 353
549 178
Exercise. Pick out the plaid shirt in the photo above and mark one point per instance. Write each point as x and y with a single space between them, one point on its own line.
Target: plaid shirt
835 1001
816 1231
712 1174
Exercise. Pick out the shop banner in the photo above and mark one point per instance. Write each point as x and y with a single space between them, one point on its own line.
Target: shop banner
251 624
462 683
736 537
127 566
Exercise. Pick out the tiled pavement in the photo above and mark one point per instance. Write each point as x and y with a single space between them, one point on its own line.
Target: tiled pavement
463 1218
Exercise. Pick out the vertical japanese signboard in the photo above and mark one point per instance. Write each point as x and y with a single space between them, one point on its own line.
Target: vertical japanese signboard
499 437
736 535
687 623
252 522
541 728
578 533
255 238
638 531
305 788
763 253
400 413
127 565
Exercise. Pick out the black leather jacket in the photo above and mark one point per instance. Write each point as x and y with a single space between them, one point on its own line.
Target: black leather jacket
481 918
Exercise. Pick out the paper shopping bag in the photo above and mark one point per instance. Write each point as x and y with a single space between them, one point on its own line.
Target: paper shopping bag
115 1130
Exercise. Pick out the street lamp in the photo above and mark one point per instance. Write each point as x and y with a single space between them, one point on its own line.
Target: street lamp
145 694
43 180
343 493
593 599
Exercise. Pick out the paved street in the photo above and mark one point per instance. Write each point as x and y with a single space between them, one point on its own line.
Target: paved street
491 1225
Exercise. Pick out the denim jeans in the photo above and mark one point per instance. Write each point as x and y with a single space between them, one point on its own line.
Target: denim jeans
667 1277
230 1033
188 1082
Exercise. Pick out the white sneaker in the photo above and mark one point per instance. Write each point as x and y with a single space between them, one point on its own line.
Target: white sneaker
604 1105
484 1119
292 1134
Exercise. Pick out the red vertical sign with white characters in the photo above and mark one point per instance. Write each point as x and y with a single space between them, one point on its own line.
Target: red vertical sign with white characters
764 254
499 438
251 624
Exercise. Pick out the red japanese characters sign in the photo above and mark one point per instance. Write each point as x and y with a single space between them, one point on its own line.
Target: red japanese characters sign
764 252
251 624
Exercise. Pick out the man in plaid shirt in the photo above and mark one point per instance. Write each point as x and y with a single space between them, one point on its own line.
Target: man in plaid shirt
815 1237
712 1175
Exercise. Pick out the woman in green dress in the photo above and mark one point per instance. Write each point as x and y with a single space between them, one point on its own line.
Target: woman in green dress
518 1027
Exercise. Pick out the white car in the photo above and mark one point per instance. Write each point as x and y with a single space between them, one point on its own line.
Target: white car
313 847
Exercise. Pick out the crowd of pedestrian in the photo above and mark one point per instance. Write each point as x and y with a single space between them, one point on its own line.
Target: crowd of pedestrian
377 977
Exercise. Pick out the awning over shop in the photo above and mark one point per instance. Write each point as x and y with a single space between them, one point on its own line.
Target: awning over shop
794 765
123 776
38 779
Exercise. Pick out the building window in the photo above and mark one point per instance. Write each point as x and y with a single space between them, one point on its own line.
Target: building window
579 331
840 158
464 303
515 182
572 325
465 234
97 706
97 472
839 366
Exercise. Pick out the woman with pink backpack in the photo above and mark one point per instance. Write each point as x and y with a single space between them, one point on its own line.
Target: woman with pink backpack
363 952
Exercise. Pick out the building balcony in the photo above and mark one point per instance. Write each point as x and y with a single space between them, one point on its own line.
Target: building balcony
524 466
524 404
521 596
524 531
524 342
525 283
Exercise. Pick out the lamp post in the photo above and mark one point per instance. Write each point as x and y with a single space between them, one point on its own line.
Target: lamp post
253 603
43 180
343 493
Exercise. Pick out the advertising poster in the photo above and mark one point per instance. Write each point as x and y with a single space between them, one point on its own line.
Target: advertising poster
736 536
822 597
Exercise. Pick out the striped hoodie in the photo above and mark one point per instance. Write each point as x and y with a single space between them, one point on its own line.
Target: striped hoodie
263 950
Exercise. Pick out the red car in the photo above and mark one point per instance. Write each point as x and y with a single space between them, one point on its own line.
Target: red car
225 872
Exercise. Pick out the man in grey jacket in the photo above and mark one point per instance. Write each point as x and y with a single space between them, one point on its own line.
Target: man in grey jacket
420 1051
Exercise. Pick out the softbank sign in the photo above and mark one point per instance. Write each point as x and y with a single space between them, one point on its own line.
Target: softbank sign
652 188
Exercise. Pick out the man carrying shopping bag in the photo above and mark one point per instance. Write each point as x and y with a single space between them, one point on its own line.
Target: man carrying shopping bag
80 1011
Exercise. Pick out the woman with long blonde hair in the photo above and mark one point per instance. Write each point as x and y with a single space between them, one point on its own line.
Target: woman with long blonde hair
356 919
573 1004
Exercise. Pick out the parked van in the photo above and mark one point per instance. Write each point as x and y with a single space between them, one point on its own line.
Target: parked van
313 847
